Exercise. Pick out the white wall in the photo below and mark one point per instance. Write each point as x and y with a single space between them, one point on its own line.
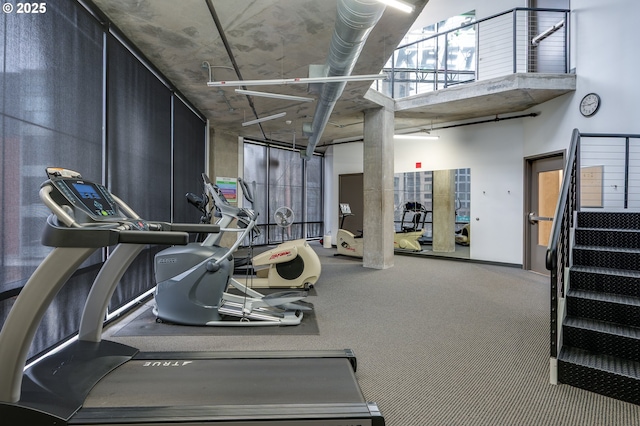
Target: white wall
605 59
493 152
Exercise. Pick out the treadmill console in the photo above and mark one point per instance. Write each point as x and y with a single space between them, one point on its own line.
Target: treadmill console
89 201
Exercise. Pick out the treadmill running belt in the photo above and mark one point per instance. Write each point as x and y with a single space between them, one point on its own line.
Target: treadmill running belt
207 382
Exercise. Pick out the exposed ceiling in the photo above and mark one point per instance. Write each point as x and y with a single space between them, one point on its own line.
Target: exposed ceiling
267 39
195 41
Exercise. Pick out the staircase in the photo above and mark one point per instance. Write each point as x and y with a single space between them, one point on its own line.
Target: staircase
601 330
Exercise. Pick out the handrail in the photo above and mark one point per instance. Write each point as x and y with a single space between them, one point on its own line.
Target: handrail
551 259
472 23
568 202
443 76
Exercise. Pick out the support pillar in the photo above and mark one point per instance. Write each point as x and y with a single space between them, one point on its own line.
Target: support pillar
444 191
224 161
378 227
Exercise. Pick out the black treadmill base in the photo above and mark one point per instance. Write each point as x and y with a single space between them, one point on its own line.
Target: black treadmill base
364 414
112 384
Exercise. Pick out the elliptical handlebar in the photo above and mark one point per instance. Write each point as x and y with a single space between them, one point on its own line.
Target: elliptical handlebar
246 217
246 191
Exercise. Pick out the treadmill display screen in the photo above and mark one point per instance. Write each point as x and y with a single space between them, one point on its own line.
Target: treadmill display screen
87 191
93 199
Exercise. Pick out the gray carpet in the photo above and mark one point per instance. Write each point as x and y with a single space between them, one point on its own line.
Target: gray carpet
438 342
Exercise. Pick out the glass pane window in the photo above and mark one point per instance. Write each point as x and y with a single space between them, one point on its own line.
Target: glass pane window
283 180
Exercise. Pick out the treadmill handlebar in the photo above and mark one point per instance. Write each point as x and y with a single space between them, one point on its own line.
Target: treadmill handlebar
145 237
195 228
103 235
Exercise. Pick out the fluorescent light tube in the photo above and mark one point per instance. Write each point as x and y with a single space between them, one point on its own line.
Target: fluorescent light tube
307 80
397 4
267 118
274 95
424 137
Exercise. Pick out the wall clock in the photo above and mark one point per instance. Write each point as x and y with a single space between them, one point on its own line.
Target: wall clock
589 104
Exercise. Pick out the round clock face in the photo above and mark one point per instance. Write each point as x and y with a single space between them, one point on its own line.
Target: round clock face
589 104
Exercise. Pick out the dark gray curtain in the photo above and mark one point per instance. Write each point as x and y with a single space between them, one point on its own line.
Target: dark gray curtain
52 97
51 115
138 151
188 160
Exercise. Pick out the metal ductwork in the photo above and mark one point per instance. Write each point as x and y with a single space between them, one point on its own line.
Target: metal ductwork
355 20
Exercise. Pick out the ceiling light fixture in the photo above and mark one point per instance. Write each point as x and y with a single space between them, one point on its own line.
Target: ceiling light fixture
305 80
267 118
425 136
274 95
400 5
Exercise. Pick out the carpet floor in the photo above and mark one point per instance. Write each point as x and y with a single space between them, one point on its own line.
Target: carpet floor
438 342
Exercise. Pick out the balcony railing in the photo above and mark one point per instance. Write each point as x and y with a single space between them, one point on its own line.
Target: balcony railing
521 40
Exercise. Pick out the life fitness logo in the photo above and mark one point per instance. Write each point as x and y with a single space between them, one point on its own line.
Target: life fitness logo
281 254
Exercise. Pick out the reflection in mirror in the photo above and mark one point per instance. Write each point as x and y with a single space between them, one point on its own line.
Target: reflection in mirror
413 213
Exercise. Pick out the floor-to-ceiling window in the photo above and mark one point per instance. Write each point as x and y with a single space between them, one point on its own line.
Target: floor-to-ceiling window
283 180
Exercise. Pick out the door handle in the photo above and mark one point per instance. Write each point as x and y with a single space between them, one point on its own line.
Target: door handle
533 219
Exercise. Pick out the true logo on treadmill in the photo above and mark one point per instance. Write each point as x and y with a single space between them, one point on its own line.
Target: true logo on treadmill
166 363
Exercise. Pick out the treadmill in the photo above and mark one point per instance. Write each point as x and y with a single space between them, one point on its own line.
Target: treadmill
99 382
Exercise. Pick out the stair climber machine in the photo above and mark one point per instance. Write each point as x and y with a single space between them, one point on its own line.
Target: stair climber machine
292 264
348 243
194 287
91 381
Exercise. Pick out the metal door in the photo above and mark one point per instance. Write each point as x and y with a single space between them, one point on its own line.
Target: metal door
545 180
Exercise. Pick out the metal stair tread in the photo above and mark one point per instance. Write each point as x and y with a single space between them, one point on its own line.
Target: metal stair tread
606 248
602 327
600 362
605 271
604 297
584 228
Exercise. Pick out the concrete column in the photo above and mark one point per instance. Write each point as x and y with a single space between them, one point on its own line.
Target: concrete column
378 229
444 191
223 162
223 154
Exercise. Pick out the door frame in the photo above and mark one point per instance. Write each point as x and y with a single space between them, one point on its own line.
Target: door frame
528 169
351 190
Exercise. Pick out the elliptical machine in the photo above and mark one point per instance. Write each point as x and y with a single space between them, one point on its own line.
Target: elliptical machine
292 264
193 284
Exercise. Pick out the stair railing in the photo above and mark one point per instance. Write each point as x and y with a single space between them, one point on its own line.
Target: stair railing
569 203
557 259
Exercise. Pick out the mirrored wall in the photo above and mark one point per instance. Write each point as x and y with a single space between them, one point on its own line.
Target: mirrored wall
414 211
